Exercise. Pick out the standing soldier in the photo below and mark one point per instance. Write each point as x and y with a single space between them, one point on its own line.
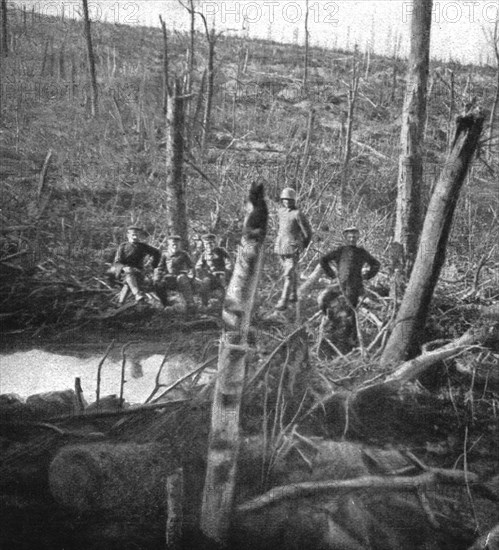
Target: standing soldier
294 235
129 263
213 268
349 261
175 272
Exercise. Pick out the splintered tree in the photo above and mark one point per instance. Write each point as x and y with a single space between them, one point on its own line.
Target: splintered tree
176 210
218 494
411 317
409 185
94 97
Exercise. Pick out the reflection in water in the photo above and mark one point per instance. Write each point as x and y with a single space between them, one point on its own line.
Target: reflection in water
37 371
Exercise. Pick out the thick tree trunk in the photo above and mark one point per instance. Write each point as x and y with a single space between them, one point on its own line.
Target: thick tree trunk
218 494
411 316
4 43
94 96
176 209
408 215
494 113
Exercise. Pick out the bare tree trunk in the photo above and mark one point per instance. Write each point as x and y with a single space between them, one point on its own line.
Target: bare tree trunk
218 494
352 100
209 88
450 118
494 113
305 56
411 316
165 66
62 63
176 209
408 214
494 116
94 96
1 88
192 35
4 43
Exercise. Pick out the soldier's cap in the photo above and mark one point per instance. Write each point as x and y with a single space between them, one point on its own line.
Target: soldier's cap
351 229
135 228
208 237
174 238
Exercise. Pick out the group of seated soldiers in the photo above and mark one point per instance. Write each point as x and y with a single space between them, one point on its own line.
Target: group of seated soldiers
173 269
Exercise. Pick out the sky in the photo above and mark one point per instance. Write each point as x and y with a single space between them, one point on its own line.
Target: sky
380 26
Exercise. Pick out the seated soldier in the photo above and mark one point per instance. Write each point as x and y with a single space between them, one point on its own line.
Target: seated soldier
349 261
213 268
174 272
128 263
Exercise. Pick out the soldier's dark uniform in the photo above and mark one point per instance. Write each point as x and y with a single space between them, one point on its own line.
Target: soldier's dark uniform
175 272
349 261
129 262
213 268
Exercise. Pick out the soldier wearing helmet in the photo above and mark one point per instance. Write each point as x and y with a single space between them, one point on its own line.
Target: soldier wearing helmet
175 272
294 235
350 262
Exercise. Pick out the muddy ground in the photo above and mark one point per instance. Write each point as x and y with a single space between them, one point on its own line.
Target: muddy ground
445 420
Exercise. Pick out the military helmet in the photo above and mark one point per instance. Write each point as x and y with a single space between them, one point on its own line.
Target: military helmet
288 193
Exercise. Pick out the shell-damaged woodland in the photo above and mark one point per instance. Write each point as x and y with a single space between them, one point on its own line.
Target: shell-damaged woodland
313 231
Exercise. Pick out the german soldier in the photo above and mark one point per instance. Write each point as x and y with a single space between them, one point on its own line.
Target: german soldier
213 268
128 263
350 261
175 272
294 235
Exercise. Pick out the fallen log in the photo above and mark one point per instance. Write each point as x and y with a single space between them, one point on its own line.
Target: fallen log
125 479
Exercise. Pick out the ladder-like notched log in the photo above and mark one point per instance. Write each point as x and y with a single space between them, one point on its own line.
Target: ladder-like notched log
223 450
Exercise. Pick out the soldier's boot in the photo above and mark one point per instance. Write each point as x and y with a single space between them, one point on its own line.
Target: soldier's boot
204 291
123 294
282 304
184 286
162 294
132 282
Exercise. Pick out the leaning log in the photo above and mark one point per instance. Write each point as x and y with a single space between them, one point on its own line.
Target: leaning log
218 493
411 317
